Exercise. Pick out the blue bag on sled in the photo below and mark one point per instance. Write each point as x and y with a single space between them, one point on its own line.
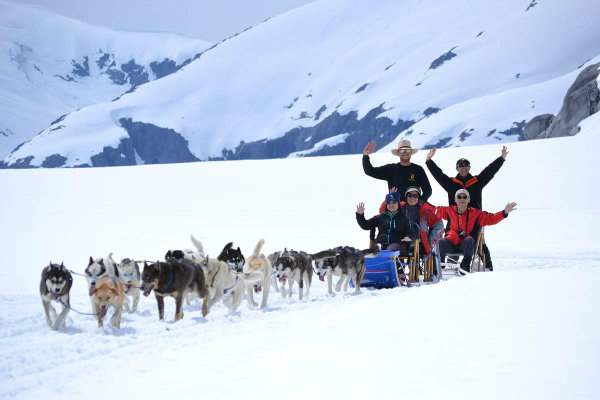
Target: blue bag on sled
381 271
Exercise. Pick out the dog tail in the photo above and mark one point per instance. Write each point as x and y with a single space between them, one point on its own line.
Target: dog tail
197 245
258 247
113 264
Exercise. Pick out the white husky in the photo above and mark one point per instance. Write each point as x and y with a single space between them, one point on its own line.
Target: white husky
129 273
257 275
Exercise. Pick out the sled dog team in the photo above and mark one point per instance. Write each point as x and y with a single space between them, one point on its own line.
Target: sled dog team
404 217
189 274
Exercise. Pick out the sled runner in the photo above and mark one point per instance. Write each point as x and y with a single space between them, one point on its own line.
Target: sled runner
452 264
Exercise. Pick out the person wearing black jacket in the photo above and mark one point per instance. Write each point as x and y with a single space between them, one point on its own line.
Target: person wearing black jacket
464 180
392 225
399 175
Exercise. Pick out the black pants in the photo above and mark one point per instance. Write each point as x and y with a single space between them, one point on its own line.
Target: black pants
465 247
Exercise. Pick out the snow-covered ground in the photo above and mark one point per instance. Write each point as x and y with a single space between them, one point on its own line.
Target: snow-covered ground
529 330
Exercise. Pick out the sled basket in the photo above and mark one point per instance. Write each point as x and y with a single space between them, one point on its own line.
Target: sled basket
381 271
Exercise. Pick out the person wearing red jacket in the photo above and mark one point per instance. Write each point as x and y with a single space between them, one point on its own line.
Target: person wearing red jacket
424 223
462 222
464 180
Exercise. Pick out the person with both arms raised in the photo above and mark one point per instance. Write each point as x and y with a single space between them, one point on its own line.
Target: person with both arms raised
464 180
399 176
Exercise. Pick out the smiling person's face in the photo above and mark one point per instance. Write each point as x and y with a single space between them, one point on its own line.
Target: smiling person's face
463 168
392 206
462 200
405 153
412 198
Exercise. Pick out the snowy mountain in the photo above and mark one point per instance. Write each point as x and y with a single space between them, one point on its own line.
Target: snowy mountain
528 330
52 65
327 77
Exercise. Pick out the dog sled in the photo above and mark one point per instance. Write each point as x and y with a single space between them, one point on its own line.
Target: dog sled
451 266
389 269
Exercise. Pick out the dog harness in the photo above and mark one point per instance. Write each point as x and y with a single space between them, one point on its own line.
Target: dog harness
170 282
226 290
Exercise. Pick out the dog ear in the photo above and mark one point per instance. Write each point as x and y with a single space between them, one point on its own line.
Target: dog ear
168 255
228 246
62 265
101 262
92 290
91 261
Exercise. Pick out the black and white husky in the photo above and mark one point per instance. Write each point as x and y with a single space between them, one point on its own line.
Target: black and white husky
129 273
96 269
195 256
345 262
55 285
293 266
233 257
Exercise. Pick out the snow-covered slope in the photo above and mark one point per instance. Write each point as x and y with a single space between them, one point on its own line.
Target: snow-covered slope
52 65
529 330
472 72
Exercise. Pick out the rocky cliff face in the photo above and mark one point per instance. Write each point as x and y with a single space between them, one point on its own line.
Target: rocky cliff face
581 101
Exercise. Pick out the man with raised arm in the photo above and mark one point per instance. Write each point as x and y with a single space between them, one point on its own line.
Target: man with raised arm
464 180
463 222
399 176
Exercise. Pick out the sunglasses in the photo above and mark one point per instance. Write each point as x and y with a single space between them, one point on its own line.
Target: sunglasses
461 197
405 150
412 195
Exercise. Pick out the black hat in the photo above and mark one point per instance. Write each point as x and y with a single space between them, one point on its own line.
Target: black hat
463 162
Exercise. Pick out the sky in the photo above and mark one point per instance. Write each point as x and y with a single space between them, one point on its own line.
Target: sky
209 20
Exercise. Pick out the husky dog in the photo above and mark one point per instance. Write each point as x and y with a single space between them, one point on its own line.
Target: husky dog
174 279
257 275
129 273
223 284
108 292
55 285
345 262
98 268
195 256
294 266
233 257
272 259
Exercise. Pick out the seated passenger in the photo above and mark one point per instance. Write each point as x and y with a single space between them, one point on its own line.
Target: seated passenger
392 225
463 221
423 222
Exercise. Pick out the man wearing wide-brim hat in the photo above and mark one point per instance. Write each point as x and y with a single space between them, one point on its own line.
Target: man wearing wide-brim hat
400 175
